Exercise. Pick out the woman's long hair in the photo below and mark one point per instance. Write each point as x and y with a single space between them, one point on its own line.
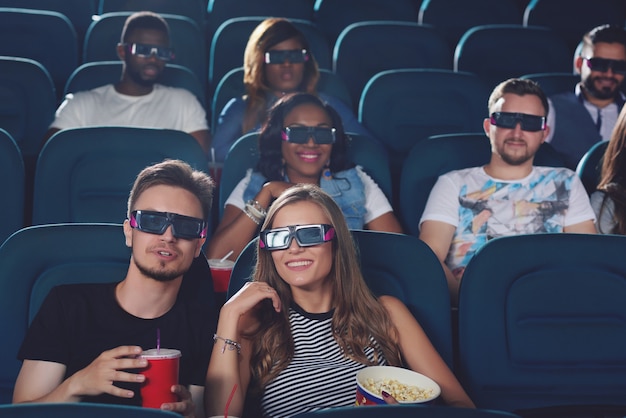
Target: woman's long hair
613 178
267 34
270 139
358 315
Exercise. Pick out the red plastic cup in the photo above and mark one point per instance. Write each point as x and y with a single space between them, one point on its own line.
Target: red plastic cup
161 374
220 271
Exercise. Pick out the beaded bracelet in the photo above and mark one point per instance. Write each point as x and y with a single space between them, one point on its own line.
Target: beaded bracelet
232 345
251 216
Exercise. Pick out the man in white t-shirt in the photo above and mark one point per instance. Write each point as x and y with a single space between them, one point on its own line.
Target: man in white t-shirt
509 195
137 99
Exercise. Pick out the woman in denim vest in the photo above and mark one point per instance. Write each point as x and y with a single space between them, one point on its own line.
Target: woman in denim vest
303 141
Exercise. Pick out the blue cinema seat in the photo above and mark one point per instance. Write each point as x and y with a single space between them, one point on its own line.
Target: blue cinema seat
542 325
85 174
12 171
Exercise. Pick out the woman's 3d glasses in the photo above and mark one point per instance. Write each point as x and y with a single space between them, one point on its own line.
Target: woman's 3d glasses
294 56
305 235
146 51
603 64
530 123
301 134
152 222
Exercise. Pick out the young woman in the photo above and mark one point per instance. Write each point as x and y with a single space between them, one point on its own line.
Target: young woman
303 141
609 202
277 61
296 336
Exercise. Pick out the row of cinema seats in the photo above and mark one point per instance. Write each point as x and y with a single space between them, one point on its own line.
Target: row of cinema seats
451 17
30 95
80 410
399 107
53 40
85 174
360 51
541 319
52 43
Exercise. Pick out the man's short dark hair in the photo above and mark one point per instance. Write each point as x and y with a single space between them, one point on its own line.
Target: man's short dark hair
520 87
609 34
175 173
144 20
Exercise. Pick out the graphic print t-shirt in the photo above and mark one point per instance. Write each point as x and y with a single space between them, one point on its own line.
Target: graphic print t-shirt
482 208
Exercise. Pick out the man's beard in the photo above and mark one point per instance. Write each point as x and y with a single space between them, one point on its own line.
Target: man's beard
603 94
160 275
137 79
515 160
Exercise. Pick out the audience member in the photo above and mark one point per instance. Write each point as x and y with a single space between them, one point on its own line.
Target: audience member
609 201
138 99
581 118
83 343
303 141
277 60
311 289
509 195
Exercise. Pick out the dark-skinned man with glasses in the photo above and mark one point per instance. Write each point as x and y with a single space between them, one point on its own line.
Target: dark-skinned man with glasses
509 195
84 343
581 118
138 99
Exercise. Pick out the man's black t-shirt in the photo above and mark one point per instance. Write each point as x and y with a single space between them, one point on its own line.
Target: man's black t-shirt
77 322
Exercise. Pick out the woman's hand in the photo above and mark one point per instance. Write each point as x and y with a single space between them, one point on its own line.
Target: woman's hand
388 398
270 191
249 296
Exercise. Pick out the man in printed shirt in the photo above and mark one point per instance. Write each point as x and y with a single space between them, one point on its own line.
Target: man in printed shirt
509 195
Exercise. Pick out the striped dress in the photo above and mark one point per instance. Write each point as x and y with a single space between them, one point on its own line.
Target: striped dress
319 376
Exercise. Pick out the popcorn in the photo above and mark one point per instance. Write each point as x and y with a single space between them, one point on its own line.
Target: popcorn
400 391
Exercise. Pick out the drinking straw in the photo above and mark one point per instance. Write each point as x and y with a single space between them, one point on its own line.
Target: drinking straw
158 340
226 256
230 398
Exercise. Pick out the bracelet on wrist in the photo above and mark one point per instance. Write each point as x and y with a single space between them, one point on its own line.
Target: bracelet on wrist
256 209
251 216
228 343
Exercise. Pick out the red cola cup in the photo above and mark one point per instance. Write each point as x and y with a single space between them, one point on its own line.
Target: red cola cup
161 374
220 271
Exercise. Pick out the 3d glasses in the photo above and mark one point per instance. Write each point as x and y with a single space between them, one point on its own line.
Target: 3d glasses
603 64
146 51
531 123
301 134
305 235
294 56
157 222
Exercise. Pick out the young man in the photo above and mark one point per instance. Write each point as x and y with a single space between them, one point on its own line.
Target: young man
586 116
137 99
509 195
83 343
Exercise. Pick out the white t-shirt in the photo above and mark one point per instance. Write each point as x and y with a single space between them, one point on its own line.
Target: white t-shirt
376 203
165 107
482 208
